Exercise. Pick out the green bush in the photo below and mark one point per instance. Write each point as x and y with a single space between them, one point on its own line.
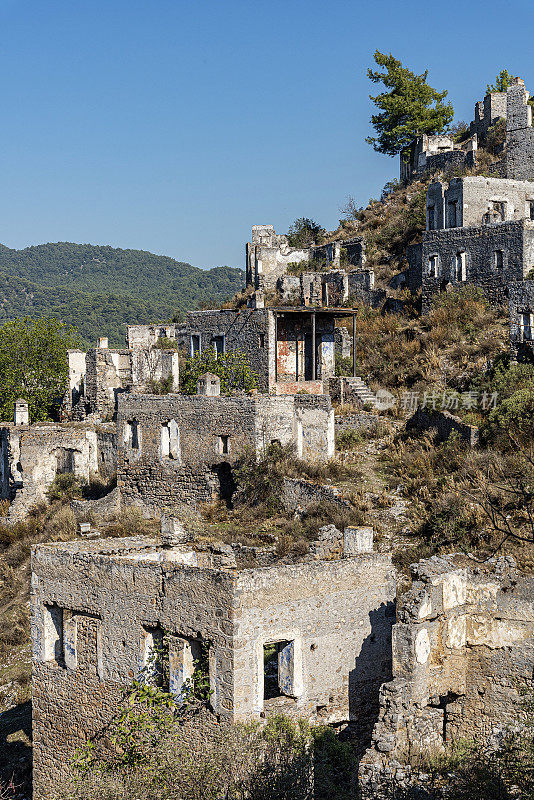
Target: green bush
233 370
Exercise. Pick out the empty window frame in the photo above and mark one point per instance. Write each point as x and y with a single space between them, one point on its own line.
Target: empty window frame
431 217
52 641
261 340
156 664
223 444
195 344
281 669
460 266
530 213
433 266
131 434
498 259
452 214
218 344
526 326
170 440
498 210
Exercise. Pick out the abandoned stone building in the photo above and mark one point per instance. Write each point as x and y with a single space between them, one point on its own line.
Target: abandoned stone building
97 377
521 310
31 456
290 349
269 259
177 449
479 231
98 608
441 153
463 650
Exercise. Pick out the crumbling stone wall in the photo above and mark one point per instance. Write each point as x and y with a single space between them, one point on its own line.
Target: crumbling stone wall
477 248
463 648
445 424
521 309
519 133
32 455
211 434
95 603
477 200
249 332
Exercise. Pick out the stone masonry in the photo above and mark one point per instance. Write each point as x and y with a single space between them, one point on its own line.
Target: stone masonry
176 449
31 456
463 649
97 608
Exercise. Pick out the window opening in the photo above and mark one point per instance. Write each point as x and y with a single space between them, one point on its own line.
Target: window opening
132 434
431 218
526 327
499 259
195 344
277 670
218 345
224 445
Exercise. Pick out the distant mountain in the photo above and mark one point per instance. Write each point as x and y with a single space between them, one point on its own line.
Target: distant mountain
101 289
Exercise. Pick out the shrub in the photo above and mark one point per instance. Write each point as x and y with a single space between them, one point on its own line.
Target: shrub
233 370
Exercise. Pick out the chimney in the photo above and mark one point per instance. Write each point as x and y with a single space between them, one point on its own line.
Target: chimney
22 415
102 343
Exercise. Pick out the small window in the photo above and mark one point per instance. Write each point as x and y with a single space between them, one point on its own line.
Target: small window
460 266
170 440
452 214
531 209
278 670
499 259
498 211
224 445
433 266
53 647
431 211
261 340
218 345
131 434
195 344
526 327
156 658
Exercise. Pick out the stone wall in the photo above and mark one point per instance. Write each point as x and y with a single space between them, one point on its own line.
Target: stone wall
476 249
519 134
477 200
211 433
299 493
521 309
31 456
445 424
463 649
96 604
249 332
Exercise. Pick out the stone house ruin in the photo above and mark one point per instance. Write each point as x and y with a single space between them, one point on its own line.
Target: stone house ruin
177 449
479 231
99 607
440 153
31 456
290 349
521 310
463 650
97 377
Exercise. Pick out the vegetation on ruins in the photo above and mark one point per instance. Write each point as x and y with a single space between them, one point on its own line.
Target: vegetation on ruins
100 289
409 107
162 746
501 83
305 232
33 366
233 369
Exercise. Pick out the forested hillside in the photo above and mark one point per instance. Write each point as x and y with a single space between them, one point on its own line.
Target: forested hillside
100 289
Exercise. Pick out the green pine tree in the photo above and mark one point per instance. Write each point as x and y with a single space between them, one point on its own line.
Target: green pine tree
409 107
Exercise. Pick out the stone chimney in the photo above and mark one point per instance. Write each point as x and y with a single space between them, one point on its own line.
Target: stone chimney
102 343
357 540
209 385
22 415
172 531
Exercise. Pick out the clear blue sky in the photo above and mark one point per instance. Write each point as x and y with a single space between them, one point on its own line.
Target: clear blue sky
175 125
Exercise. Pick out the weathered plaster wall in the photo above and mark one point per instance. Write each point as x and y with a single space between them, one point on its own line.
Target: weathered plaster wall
212 433
463 649
31 457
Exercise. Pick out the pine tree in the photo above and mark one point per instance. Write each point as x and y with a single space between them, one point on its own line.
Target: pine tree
408 109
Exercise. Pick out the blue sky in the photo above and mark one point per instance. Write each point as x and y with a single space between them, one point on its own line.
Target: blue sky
175 125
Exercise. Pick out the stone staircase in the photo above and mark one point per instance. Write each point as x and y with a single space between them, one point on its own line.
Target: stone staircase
357 389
